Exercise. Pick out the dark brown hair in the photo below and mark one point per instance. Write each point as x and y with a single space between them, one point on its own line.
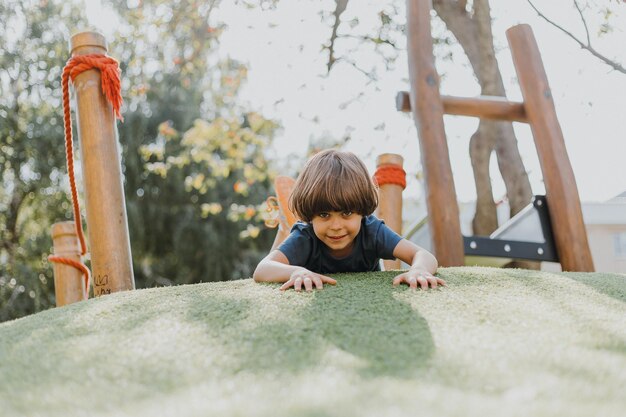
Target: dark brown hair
333 181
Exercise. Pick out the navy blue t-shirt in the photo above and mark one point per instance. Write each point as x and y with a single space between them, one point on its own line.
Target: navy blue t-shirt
375 241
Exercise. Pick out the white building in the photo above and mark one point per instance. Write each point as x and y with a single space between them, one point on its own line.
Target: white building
606 231
605 223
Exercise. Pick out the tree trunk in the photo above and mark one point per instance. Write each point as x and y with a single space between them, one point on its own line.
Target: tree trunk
481 145
474 34
473 31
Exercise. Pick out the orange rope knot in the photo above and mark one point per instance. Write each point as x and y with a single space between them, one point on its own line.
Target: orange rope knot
390 174
110 76
111 87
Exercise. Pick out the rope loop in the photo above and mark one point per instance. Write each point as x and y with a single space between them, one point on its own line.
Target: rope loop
78 265
390 174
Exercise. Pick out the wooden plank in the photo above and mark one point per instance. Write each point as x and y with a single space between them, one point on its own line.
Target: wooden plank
106 207
443 210
283 186
484 107
561 192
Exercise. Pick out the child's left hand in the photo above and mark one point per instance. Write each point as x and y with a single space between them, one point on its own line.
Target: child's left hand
412 277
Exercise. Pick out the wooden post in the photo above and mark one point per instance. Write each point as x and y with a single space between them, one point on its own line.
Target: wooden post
69 284
443 209
562 195
390 202
106 208
284 187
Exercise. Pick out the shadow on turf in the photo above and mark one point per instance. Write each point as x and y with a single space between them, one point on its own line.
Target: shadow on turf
359 317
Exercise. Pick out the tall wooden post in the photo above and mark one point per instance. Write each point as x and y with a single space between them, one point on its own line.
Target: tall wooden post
107 225
390 202
69 284
427 107
565 212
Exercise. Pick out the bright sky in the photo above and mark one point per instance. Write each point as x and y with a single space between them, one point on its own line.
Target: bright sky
288 82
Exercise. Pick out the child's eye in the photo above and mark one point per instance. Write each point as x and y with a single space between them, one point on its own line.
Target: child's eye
324 215
347 213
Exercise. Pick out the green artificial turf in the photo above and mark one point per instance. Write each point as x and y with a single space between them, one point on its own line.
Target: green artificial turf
494 342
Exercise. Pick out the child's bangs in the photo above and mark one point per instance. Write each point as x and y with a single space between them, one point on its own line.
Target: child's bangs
338 196
333 181
342 194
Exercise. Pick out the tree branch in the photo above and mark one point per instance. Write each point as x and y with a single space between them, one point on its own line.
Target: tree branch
616 66
371 76
582 17
340 7
376 41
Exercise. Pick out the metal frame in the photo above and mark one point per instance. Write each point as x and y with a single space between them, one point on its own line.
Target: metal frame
506 248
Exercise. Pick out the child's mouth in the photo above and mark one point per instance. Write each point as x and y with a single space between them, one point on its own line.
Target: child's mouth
337 237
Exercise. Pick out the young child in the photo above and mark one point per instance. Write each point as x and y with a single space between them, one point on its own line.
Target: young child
335 197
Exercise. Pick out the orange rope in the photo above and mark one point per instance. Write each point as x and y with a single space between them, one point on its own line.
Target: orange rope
390 174
78 265
111 87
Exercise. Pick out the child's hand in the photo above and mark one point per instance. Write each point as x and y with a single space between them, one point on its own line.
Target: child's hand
412 277
308 278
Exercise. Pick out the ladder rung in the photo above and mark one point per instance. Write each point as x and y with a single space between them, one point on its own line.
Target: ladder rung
486 107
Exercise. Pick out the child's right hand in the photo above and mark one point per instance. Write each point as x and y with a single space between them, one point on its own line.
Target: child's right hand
308 278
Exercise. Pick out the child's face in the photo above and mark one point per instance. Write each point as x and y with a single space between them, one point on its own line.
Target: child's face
337 230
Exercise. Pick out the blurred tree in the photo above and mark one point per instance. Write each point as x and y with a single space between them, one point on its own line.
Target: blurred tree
191 198
32 160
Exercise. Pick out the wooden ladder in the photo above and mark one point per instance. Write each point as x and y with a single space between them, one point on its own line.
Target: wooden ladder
428 108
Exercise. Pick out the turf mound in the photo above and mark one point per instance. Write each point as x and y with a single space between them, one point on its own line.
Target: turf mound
495 342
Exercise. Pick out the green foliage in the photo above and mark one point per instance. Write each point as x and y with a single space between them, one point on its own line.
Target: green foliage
191 197
34 38
213 174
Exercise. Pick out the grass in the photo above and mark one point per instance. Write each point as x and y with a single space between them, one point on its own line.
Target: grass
495 342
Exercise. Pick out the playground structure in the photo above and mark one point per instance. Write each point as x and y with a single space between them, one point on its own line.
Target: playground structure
105 205
428 108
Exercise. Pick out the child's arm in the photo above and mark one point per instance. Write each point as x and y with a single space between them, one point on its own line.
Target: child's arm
423 266
275 268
